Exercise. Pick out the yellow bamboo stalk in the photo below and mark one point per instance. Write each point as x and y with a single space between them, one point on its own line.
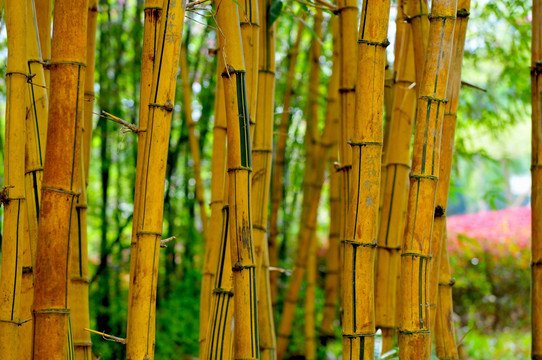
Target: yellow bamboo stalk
249 22
262 158
44 12
151 27
331 287
446 347
89 84
310 295
219 330
312 185
446 154
360 243
536 202
278 166
218 166
13 192
36 134
414 334
193 142
416 13
243 258
348 22
395 186
78 293
141 329
61 181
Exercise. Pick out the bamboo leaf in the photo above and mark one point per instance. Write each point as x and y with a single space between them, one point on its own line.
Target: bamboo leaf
274 12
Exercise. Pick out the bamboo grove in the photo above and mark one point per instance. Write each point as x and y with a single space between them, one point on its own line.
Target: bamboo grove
374 138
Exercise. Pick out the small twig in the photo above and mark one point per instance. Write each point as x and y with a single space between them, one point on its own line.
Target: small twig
163 243
192 4
328 4
127 125
316 6
465 335
107 336
464 83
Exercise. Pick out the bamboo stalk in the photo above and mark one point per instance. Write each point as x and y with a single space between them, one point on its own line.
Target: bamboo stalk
348 23
446 347
395 186
359 246
312 185
78 293
310 295
193 142
212 246
61 181
219 330
536 201
44 12
249 22
416 13
151 27
246 337
331 287
141 329
13 192
36 134
446 151
278 166
414 335
262 158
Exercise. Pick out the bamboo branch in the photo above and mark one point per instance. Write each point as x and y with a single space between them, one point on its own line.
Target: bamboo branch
107 336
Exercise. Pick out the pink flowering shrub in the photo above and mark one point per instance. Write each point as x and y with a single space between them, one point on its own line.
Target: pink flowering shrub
490 259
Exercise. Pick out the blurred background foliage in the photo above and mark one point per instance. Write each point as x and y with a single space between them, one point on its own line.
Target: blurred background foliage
491 171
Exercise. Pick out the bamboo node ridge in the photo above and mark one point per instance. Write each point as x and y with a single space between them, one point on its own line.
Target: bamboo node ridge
463 13
444 101
408 19
240 267
18 323
355 243
421 256
384 43
354 336
414 332
168 105
62 191
441 17
353 143
449 283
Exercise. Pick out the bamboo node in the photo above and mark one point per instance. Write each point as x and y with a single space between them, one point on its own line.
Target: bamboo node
18 323
56 63
27 270
344 168
463 13
148 233
383 44
449 283
223 291
441 17
52 311
418 177
245 168
259 227
354 336
19 73
4 194
537 68
107 336
346 90
62 191
356 244
536 263
432 98
536 356
408 332
168 106
33 170
421 256
439 211
361 144
163 243
240 267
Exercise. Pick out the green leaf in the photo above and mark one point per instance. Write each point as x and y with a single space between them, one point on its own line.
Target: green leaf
274 12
